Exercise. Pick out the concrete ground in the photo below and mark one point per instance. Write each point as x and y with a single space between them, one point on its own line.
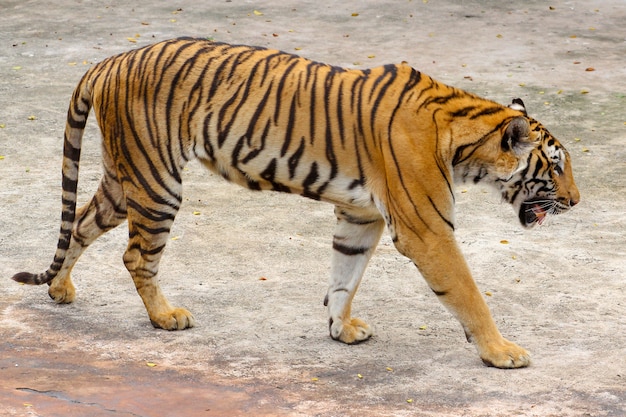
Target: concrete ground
261 346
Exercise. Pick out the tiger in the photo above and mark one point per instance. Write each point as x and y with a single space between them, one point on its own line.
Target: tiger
386 146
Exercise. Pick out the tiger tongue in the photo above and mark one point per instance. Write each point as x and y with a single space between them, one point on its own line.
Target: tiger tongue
540 213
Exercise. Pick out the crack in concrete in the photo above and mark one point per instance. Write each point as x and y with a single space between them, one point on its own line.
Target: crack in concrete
59 395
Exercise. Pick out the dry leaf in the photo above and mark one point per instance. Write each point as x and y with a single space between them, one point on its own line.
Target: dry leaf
257 13
359 376
355 14
504 242
2 125
314 379
488 293
196 213
371 56
133 40
410 400
262 279
589 69
389 369
32 117
423 327
151 364
584 91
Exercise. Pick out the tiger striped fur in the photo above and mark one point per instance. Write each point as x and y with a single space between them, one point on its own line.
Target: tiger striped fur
384 145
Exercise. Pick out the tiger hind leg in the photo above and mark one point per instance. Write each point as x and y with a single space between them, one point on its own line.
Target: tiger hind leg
149 224
356 235
106 210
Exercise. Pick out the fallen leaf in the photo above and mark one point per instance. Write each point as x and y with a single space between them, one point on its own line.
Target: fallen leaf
71 64
17 68
584 91
585 150
410 400
262 279
389 369
145 24
589 69
31 117
151 364
355 14
2 125
133 40
498 36
573 36
257 13
576 62
314 379
423 327
371 56
488 293
504 242
359 376
297 48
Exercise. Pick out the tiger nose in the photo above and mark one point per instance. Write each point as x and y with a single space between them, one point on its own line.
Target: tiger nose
574 198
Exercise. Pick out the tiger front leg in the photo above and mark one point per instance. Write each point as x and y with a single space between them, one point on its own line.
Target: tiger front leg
444 268
356 235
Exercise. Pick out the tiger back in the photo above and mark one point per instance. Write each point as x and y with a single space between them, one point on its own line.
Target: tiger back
384 145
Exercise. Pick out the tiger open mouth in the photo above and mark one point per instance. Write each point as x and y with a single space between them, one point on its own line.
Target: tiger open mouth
535 211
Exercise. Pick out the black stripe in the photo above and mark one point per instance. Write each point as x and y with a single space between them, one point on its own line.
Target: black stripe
440 293
349 250
294 159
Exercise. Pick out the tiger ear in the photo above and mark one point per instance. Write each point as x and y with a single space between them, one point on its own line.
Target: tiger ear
516 137
518 104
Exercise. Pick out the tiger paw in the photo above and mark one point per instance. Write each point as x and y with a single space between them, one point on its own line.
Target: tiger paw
62 291
176 319
505 354
350 331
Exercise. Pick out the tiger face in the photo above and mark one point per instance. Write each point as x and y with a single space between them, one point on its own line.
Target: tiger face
545 186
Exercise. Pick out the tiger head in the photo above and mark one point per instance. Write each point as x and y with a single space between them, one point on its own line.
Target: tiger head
544 184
